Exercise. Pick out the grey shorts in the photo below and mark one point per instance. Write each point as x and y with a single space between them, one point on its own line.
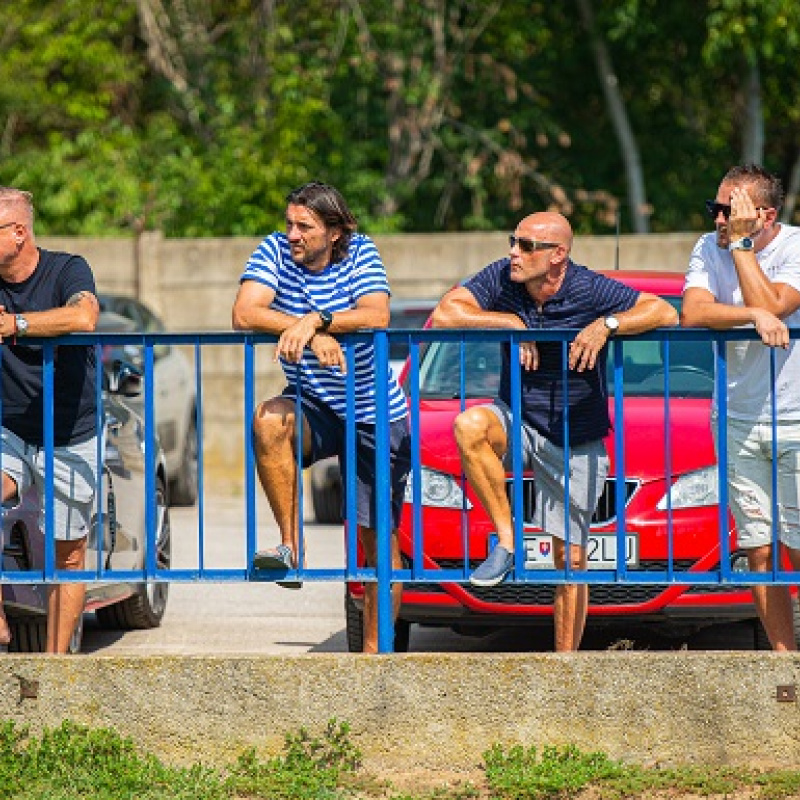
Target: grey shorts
74 481
588 469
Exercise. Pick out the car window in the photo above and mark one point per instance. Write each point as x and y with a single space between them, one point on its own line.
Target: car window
406 318
691 369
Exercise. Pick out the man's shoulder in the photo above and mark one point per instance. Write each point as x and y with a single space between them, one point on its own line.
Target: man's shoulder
56 264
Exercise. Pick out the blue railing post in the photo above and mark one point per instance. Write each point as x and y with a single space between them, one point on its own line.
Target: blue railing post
384 568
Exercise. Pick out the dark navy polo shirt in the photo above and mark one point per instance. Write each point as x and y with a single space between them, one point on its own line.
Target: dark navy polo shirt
583 296
57 277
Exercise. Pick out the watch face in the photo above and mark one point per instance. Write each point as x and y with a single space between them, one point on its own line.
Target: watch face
612 323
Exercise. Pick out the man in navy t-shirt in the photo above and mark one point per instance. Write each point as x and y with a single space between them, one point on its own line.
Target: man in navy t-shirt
538 286
43 293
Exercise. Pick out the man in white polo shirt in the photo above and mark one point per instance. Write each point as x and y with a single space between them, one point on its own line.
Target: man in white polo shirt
747 273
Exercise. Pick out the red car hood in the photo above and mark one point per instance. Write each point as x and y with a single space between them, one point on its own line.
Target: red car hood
644 436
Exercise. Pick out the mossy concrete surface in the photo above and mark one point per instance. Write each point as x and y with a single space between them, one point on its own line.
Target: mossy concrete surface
427 710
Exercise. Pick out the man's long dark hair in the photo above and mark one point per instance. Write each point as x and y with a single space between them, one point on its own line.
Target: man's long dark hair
330 207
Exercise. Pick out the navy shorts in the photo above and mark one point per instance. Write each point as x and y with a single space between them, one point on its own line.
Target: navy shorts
328 439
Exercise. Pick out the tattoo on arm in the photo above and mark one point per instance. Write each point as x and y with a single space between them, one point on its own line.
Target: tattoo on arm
77 297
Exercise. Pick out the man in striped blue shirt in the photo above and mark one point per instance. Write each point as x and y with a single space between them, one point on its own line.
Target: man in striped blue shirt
317 279
539 286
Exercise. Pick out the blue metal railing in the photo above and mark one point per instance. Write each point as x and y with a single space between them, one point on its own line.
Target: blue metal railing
417 572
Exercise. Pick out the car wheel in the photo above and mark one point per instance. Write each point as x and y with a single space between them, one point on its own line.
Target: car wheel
760 638
354 627
28 634
145 608
184 486
328 504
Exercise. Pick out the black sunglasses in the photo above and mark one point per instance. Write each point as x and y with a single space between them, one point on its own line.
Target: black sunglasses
530 245
713 208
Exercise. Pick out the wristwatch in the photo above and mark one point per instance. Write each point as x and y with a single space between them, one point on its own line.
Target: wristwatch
612 324
745 243
22 325
326 318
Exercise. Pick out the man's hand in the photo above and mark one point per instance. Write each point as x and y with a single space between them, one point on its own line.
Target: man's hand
588 343
294 339
773 331
743 220
328 351
529 355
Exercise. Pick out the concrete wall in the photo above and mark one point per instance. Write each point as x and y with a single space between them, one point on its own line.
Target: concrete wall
434 711
192 283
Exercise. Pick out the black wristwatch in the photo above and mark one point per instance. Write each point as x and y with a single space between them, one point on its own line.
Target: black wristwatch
326 318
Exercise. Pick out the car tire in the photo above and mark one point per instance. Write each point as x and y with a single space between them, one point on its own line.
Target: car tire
28 634
183 491
327 504
146 606
354 627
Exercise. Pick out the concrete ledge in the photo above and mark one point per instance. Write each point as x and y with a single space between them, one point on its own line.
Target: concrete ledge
424 710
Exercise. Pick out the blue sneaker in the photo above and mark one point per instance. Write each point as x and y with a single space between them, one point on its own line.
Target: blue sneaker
492 571
279 558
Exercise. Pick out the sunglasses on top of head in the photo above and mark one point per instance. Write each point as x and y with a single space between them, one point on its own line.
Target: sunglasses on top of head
530 245
713 208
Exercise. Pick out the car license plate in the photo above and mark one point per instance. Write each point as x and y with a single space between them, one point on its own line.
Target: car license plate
602 551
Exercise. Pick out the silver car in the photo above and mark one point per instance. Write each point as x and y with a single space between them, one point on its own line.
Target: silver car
175 395
122 545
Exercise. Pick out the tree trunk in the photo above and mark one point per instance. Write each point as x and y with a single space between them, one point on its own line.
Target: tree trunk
753 137
637 199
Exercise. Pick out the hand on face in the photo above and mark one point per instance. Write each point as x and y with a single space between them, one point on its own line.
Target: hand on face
744 218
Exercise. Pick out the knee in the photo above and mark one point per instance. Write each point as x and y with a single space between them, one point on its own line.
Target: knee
271 424
471 428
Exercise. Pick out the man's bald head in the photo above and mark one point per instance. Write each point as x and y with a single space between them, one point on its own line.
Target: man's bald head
547 226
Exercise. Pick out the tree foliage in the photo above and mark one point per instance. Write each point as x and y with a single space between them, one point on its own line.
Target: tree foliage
198 116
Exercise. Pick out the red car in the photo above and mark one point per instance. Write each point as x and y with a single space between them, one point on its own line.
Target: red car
448 521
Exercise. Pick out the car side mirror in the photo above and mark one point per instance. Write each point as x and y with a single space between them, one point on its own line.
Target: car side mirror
124 378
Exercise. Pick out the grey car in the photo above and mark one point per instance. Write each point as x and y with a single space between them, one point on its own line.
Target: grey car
122 545
174 390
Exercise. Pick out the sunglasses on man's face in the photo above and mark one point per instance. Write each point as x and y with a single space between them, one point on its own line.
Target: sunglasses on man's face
530 245
714 208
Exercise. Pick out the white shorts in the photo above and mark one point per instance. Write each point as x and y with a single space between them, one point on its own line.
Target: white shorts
750 465
74 481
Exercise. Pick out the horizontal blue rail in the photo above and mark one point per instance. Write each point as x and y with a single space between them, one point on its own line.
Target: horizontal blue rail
420 571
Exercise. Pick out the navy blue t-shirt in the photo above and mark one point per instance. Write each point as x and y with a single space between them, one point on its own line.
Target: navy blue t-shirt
583 296
57 277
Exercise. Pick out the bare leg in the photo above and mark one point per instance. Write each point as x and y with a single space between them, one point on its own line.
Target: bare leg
369 544
773 603
9 492
482 442
274 440
571 601
65 601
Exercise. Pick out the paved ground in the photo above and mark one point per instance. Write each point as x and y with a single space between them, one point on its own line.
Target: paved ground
233 618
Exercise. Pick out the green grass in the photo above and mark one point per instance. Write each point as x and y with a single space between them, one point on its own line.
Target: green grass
73 761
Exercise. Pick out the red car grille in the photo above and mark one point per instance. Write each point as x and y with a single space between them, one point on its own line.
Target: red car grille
539 594
606 507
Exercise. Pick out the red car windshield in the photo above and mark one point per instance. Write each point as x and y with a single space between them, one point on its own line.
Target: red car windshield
691 369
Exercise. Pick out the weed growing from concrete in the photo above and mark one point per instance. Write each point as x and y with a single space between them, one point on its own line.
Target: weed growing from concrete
71 762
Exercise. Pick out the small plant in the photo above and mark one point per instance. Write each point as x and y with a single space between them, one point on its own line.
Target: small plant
333 749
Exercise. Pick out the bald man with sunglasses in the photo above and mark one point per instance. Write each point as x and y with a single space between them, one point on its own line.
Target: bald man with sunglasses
747 273
539 286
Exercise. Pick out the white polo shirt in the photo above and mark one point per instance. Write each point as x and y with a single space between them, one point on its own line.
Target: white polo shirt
749 396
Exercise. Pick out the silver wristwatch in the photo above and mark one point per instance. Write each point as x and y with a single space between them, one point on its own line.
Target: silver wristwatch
22 325
612 324
745 243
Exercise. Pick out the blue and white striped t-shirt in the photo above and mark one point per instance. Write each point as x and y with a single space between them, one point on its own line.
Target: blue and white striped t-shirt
336 288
